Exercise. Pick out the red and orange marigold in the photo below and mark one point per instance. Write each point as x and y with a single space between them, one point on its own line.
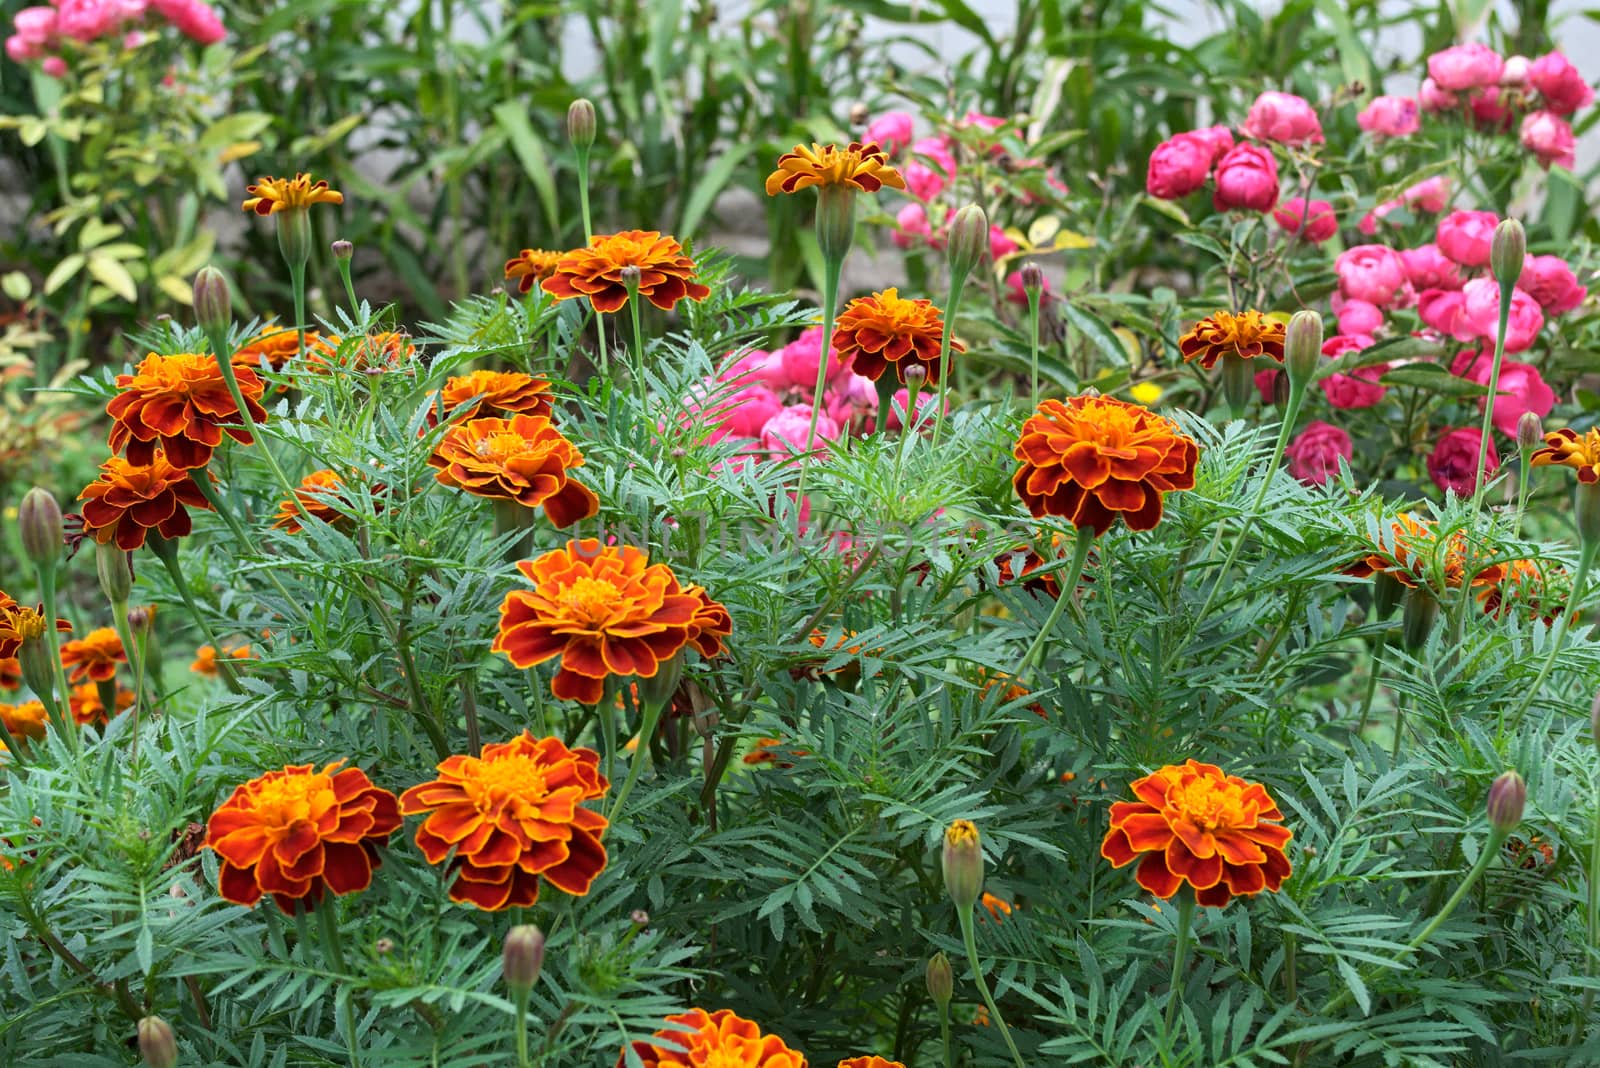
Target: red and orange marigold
19 623
523 459
206 657
1093 458
130 500
714 1040
501 393
89 710
861 166
178 405
1567 448
1193 824
375 354
10 673
318 496
27 720
666 275
885 330
298 832
530 267
1246 335
511 817
1414 549
270 195
94 656
604 611
873 1061
271 348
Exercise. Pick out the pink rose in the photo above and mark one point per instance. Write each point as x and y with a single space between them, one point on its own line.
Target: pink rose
1432 98
1453 464
1548 136
1466 66
802 355
1515 74
745 413
982 121
757 368
1217 139
913 226
19 50
1359 388
926 182
1520 388
1000 246
1445 311
1491 109
1268 384
1481 310
1430 194
1359 317
1559 82
1247 180
85 20
1390 116
1178 167
1465 236
1373 273
1282 117
1428 268
199 22
1548 280
35 26
786 432
1316 452
891 130
54 66
1320 222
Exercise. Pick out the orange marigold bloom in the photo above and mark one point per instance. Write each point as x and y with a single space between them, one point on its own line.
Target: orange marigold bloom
999 908
1246 335
297 832
884 329
530 266
1413 547
604 611
869 1062
1539 589
375 354
502 393
271 195
205 658
89 710
523 459
1025 563
27 720
1220 834
665 273
715 1039
94 656
1091 459
18 623
272 348
1565 448
767 751
10 673
863 166
129 500
512 817
178 405
317 496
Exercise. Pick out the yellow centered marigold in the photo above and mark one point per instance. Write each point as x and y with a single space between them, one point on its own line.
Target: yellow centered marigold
27 720
318 496
95 656
666 275
1193 824
861 166
89 710
604 611
178 405
522 459
129 500
377 353
714 1040
885 329
1566 448
530 267
1246 335
272 348
1412 549
297 833
271 195
513 817
1091 459
19 623
501 393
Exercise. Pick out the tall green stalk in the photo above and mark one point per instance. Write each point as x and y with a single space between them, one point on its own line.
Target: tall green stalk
958 281
1180 957
832 266
1482 476
969 939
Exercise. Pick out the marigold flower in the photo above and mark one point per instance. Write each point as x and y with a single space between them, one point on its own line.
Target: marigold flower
206 657
1220 834
271 195
1091 459
89 710
863 166
714 1039
272 348
94 656
130 500
178 405
768 751
604 611
297 832
377 353
665 273
512 817
873 1061
1246 335
10 673
1025 563
522 459
1530 585
1413 546
27 720
884 329
1566 448
318 496
998 907
502 393
531 266
18 623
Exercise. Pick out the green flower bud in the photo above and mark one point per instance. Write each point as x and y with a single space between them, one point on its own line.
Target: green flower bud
629 276
968 240
580 123
38 668
941 980
1386 593
294 236
1530 432
1507 251
213 303
963 863
1032 279
1238 383
114 567
1416 624
1302 347
39 523
523 956
157 1044
1508 796
658 689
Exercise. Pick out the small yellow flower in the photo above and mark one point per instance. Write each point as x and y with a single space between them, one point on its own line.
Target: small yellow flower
1146 393
864 167
272 195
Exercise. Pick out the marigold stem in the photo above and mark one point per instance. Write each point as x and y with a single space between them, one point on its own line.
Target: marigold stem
1593 912
60 712
523 992
328 925
582 152
1068 590
1180 957
638 356
958 281
831 268
167 552
1033 347
970 939
1482 476
649 715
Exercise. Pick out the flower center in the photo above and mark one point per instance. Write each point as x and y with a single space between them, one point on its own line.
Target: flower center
592 600
1211 805
283 802
497 781
732 1052
501 446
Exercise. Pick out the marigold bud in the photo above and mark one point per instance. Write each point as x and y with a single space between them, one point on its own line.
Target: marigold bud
157 1044
213 303
1032 279
38 667
963 863
523 956
1586 511
1386 593
580 122
114 567
1416 624
141 618
1302 346
941 980
629 277
39 523
1507 251
294 236
1508 795
342 249
1530 431
969 240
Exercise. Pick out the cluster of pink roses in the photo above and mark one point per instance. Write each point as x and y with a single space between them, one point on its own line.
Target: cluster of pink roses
42 33
1475 82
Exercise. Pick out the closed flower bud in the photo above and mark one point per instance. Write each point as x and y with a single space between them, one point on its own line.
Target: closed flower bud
1032 280
1586 512
1386 593
1302 346
1530 431
523 956
969 240
1416 624
963 863
1507 797
342 249
1507 251
580 123
941 980
39 523
38 669
213 304
294 236
157 1044
629 277
115 568
141 618
836 220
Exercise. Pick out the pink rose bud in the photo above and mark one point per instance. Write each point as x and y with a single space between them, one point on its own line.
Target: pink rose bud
1467 236
54 66
1548 136
1548 280
1313 221
1178 167
1316 452
1553 76
1282 117
1247 180
1466 66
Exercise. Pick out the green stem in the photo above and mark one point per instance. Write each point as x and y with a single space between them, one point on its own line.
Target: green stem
297 284
328 924
588 238
831 268
648 718
958 281
1482 476
1372 677
1033 348
944 1035
1069 589
608 735
343 265
1180 957
224 354
59 711
522 994
967 936
167 553
638 357
1585 562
